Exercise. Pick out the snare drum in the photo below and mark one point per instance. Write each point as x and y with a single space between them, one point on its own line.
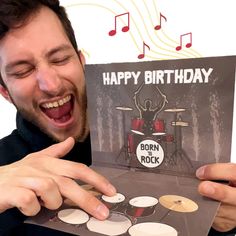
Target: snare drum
141 206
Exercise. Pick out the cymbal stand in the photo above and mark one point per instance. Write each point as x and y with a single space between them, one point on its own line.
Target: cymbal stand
179 151
124 149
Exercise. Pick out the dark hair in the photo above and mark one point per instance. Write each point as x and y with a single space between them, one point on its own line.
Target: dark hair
16 13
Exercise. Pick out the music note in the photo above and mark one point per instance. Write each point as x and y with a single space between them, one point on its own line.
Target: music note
124 28
158 27
188 45
142 55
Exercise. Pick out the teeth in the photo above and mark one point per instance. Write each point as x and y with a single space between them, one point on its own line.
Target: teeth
57 103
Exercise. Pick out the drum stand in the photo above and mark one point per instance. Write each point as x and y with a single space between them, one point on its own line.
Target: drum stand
179 151
124 149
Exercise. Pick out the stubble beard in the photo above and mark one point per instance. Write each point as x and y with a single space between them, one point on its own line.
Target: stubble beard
83 130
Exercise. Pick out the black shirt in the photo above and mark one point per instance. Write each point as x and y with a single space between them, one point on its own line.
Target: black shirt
26 139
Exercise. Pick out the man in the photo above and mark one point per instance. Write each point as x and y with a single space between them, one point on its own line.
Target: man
41 73
147 112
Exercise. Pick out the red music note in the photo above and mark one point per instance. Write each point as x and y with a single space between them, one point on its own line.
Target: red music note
142 55
157 27
124 29
188 45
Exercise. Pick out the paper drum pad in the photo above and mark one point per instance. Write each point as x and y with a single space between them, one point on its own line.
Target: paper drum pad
178 203
73 216
116 224
115 199
152 229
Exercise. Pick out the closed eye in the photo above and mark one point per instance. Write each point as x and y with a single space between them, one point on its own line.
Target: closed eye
61 60
22 73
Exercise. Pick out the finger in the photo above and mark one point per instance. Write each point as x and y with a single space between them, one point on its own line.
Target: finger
45 188
220 192
24 199
86 201
217 171
60 149
82 172
70 189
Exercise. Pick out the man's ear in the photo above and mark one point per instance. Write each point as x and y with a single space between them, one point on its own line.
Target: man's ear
82 58
5 93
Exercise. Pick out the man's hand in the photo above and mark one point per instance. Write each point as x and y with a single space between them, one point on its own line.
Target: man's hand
43 179
225 219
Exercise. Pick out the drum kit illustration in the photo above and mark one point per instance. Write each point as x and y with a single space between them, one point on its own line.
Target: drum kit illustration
132 138
127 216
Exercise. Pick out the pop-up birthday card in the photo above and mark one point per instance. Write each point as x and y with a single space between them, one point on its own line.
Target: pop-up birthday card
152 124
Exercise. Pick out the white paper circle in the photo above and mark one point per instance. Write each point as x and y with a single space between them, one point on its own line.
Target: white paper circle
73 216
143 201
152 229
114 199
116 224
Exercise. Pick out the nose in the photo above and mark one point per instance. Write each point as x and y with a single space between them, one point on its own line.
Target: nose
48 80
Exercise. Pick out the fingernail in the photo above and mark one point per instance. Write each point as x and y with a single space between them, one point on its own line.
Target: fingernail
200 172
208 189
102 211
111 189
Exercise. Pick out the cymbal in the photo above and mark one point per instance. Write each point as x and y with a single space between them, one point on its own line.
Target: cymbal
175 110
178 203
158 133
124 108
179 123
137 132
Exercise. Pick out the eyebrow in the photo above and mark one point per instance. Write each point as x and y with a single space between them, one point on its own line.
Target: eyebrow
53 51
60 48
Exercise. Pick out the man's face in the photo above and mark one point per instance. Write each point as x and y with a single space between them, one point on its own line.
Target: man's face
44 77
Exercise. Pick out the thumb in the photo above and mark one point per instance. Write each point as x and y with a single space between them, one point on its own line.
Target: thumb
60 149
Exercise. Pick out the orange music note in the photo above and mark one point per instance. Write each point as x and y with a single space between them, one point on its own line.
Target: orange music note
188 45
157 27
142 55
125 28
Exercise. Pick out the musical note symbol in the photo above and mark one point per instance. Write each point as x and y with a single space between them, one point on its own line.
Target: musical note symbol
124 28
188 45
157 27
142 55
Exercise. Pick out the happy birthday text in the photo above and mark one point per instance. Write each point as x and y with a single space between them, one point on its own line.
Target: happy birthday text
178 76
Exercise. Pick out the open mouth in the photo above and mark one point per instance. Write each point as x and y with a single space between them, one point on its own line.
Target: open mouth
60 111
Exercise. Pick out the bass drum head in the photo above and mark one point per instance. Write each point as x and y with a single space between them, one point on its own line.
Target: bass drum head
115 224
152 229
73 216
